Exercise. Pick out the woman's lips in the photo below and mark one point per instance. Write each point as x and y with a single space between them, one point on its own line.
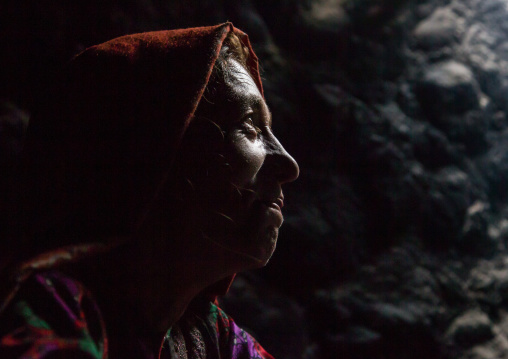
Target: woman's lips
277 204
274 205
274 211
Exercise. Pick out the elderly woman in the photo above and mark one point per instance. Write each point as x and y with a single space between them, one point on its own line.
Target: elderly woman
152 177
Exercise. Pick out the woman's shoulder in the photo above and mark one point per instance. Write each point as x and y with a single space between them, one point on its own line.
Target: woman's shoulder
50 312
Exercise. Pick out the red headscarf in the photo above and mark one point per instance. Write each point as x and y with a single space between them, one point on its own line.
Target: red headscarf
104 144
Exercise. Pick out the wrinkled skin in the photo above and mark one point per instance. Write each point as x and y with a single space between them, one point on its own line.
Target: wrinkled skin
237 168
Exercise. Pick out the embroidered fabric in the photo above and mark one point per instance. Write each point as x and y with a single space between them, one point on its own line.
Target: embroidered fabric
51 314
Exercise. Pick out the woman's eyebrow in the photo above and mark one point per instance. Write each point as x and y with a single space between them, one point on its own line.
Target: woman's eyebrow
260 105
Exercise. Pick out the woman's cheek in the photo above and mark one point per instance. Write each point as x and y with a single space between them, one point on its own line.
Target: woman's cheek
248 158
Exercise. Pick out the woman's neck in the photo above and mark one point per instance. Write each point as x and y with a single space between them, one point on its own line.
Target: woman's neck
144 287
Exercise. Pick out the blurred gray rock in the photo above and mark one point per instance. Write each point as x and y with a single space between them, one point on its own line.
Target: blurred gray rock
325 15
494 166
448 87
470 328
442 28
475 237
446 207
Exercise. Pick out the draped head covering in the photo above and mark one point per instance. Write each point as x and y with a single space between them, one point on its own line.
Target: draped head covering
102 145
105 145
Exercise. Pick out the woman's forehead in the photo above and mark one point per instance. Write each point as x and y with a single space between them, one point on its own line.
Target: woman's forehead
240 81
242 91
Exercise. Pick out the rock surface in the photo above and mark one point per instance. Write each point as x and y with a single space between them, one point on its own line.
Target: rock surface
396 233
470 328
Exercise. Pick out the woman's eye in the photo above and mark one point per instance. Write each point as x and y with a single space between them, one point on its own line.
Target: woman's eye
251 128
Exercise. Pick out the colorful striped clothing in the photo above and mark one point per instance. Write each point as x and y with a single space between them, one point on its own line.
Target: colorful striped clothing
54 316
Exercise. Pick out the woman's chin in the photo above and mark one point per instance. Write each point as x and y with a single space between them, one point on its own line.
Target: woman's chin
262 246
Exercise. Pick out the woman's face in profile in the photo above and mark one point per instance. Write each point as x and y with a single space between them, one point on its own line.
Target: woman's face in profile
244 201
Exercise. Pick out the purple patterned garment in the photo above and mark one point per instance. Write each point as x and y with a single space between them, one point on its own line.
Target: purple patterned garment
53 316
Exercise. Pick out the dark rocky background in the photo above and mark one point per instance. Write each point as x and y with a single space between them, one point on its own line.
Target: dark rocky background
395 241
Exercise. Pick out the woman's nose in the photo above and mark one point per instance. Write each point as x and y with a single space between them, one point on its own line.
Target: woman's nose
281 162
